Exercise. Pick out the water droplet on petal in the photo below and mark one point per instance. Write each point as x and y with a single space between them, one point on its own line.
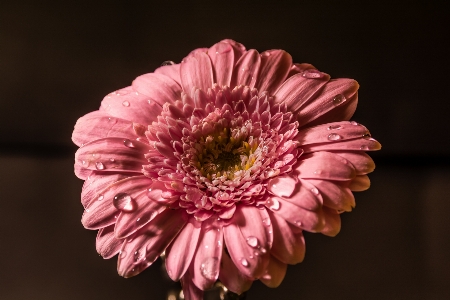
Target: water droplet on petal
126 103
367 136
128 143
298 223
111 159
339 99
318 172
364 147
252 241
100 197
267 222
167 63
354 123
315 191
312 74
244 262
124 202
273 204
263 250
99 166
139 255
332 127
334 137
209 268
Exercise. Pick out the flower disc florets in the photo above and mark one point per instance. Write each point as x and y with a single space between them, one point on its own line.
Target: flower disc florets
227 150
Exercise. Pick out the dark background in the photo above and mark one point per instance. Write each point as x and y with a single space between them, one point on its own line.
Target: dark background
59 59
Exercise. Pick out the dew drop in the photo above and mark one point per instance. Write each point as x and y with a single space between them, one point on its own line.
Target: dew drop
298 223
354 123
99 166
364 147
334 127
128 143
339 99
100 197
263 250
126 103
273 204
244 262
124 202
83 162
252 241
312 74
315 191
167 63
318 172
334 137
267 222
209 268
366 136
139 255
111 159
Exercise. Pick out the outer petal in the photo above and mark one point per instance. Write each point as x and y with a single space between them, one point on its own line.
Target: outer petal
246 69
97 125
148 243
360 144
362 162
335 194
327 99
190 291
359 183
205 265
247 241
297 90
158 87
107 244
332 222
231 277
103 213
112 155
171 71
325 165
331 133
128 223
96 182
222 58
181 251
126 104
196 71
275 273
288 245
275 66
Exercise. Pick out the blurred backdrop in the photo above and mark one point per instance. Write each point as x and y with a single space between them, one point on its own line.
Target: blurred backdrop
59 59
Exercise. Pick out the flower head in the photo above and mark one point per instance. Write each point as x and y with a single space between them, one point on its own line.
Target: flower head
221 161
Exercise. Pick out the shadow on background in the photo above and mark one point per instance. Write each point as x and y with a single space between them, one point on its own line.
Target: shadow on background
58 60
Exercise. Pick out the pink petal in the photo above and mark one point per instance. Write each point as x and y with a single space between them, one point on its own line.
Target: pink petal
222 58
180 252
238 48
148 243
275 273
324 165
359 183
196 71
306 196
332 222
275 66
130 222
103 213
107 244
246 69
297 90
97 125
302 218
171 71
190 291
247 242
335 194
330 133
158 87
282 186
327 99
126 104
362 162
360 144
96 182
205 265
342 112
300 68
232 278
112 155
288 246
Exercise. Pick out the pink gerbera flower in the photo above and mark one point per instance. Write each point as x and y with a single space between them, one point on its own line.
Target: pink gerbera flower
221 161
